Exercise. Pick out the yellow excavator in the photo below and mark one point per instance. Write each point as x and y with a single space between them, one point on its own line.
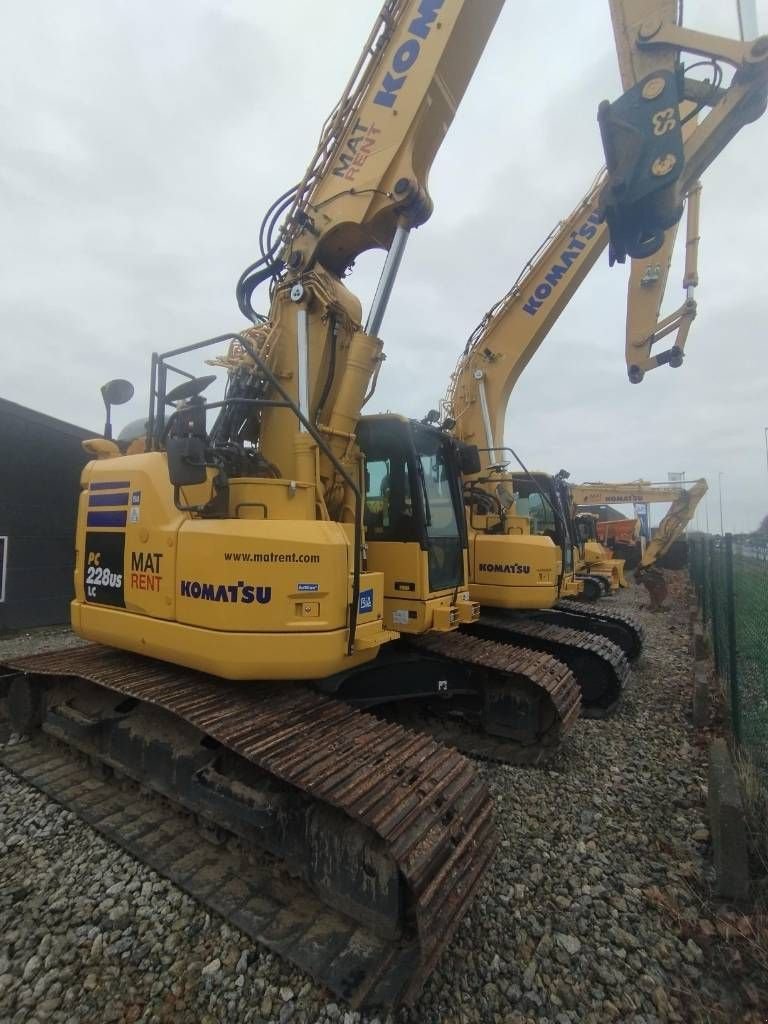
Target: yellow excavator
621 537
595 557
663 551
514 517
251 587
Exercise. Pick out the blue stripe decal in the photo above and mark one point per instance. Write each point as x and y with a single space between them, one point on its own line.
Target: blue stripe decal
99 500
107 518
110 485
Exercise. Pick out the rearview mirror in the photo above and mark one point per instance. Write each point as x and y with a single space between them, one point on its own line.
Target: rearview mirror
186 461
469 459
114 392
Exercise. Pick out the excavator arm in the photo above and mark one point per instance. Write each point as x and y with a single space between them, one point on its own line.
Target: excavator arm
673 525
643 191
647 284
650 167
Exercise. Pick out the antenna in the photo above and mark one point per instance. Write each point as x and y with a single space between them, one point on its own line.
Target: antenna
747 18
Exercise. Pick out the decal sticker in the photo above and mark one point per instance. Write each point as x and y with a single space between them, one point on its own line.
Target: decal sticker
135 497
400 617
308 588
515 568
228 593
357 150
103 499
568 257
134 514
406 55
112 518
104 567
146 569
365 601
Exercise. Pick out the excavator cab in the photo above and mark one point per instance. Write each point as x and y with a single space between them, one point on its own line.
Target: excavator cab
555 518
549 516
414 522
586 524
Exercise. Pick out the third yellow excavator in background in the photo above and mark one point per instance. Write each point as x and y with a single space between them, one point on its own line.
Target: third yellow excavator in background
666 549
621 536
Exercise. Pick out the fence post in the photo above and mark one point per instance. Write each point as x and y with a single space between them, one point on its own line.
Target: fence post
730 611
703 573
714 610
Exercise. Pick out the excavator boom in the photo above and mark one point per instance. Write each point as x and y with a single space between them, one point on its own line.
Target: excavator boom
599 493
508 336
673 525
370 169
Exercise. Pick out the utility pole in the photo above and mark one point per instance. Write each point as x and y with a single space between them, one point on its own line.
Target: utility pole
765 431
720 491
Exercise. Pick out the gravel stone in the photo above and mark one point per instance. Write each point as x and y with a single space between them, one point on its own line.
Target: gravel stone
569 943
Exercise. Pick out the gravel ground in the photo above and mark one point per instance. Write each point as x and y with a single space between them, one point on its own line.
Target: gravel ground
585 915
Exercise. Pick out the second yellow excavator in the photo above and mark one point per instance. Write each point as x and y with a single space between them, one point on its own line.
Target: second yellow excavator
516 572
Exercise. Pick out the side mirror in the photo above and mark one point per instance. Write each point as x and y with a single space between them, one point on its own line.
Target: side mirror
469 459
114 392
186 461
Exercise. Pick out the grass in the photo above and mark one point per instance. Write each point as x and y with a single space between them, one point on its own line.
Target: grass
750 584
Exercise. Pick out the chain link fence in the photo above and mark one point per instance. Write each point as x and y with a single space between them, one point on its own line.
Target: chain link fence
731 580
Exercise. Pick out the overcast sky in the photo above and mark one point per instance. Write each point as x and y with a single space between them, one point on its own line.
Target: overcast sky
141 143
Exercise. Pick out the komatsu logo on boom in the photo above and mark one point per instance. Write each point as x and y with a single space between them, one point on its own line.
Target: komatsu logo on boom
570 254
407 53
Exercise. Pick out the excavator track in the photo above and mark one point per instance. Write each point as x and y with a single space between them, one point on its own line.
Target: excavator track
595 585
627 625
599 666
623 630
542 691
399 828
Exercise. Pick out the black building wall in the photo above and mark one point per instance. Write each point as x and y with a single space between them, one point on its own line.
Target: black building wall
40 463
